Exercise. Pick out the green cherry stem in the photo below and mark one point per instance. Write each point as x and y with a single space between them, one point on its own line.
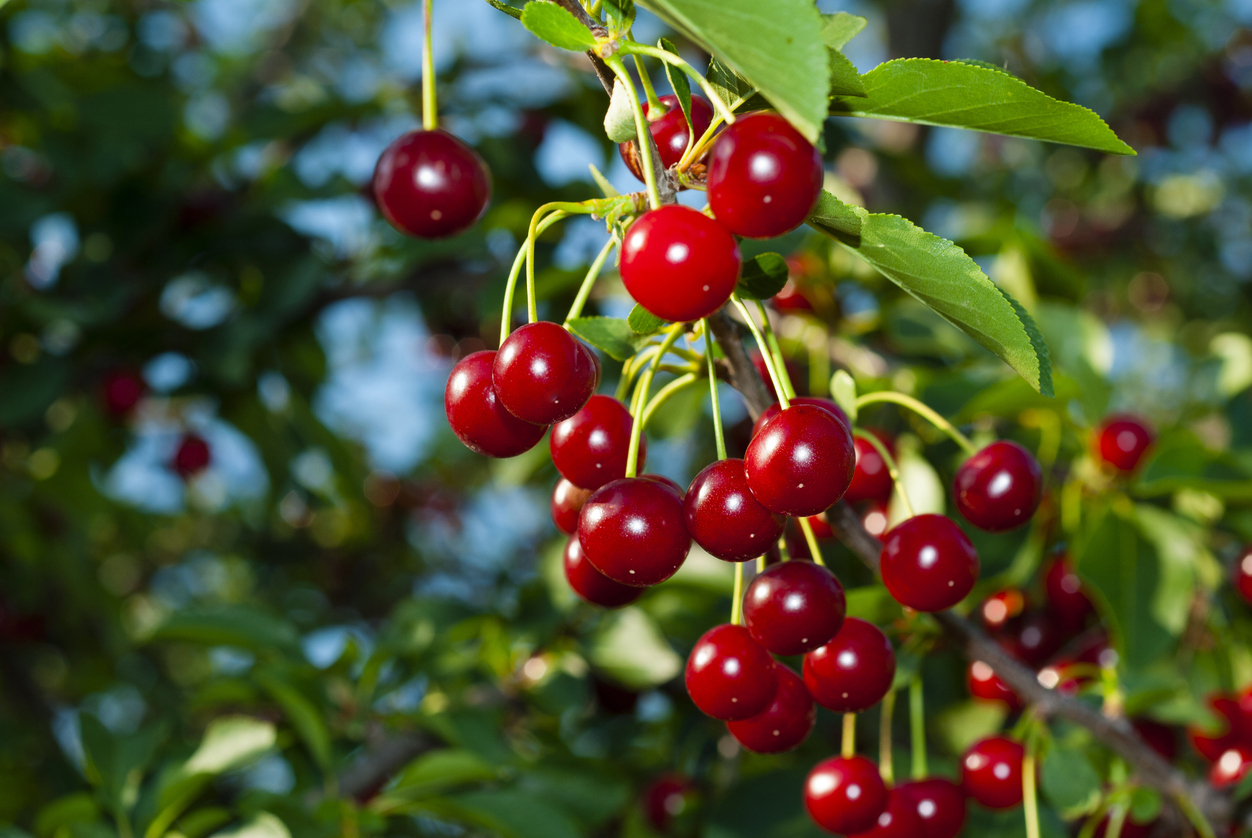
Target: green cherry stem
645 384
736 605
921 410
1030 802
430 109
593 273
776 350
641 128
848 749
634 48
917 727
514 272
811 539
892 468
696 151
885 765
719 436
655 108
665 393
766 355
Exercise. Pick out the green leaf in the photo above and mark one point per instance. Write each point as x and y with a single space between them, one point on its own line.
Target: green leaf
304 716
263 825
507 812
644 322
629 647
729 86
780 53
678 82
619 119
843 391
844 79
511 11
231 742
982 98
964 723
873 603
1145 804
620 14
1037 343
1069 780
554 24
432 774
841 27
836 219
611 334
762 276
231 625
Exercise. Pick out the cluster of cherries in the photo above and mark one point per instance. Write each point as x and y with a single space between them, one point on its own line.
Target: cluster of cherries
120 393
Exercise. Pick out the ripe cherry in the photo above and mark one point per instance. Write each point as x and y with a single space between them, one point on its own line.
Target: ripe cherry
666 482
940 805
542 374
845 795
120 391
1131 828
725 519
1121 442
1001 607
192 456
430 185
983 683
593 586
871 479
1160 737
785 724
898 820
1232 766
794 607
567 502
670 132
633 531
853 671
763 177
991 772
476 415
928 564
775 409
679 264
1034 638
1234 730
1066 598
590 448
1000 487
801 461
791 298
666 798
729 675
1241 575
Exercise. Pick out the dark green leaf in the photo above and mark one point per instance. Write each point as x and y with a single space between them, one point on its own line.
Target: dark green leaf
841 27
550 22
844 79
729 86
303 714
836 219
762 277
1145 805
644 322
1036 342
231 625
1069 780
435 773
678 83
611 334
507 812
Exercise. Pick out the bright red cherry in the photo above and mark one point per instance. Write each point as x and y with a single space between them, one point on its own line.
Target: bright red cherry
192 456
1121 442
665 799
898 820
801 461
120 391
845 795
870 480
430 185
984 684
567 502
1232 766
542 374
785 724
991 772
794 607
729 675
679 264
593 586
666 482
1066 598
853 671
725 519
1212 745
1160 737
940 805
1000 487
763 177
1241 575
791 298
928 564
633 531
590 448
1001 607
476 415
670 132
775 409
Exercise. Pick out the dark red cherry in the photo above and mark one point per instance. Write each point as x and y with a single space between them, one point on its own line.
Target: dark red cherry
729 675
940 806
853 671
429 184
991 772
801 461
794 607
1000 487
1211 745
1130 828
593 586
1232 766
633 531
984 684
567 502
725 519
845 795
679 264
898 820
192 456
870 479
785 724
590 448
1066 598
666 798
1160 737
666 482
763 177
670 132
1034 638
775 409
476 415
542 374
928 564
1241 575
1001 607
120 391
1121 442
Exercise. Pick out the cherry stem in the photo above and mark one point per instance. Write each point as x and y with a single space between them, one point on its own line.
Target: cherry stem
634 48
645 384
655 108
694 152
885 766
1117 817
917 727
760 563
641 128
507 318
766 355
719 436
1030 802
736 606
849 736
892 468
921 410
779 363
663 395
430 110
593 273
811 539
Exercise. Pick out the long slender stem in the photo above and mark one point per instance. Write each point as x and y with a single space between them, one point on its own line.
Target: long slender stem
641 129
719 436
430 109
811 539
763 345
645 384
532 304
917 727
593 273
776 350
736 606
893 468
921 410
885 763
1030 802
665 393
655 107
506 319
677 61
849 736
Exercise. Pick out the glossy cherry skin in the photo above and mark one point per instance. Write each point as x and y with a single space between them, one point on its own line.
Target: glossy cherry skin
983 683
1160 737
763 177
567 503
1241 575
666 482
898 820
1066 598
801 461
825 404
794 607
591 447
476 415
1232 766
874 518
991 772
999 488
1212 745
120 391
679 264
670 132
1001 607
785 724
430 185
1034 638
940 806
542 374
845 795
192 456
1122 441
729 675
928 564
593 586
633 531
725 519
853 671
870 478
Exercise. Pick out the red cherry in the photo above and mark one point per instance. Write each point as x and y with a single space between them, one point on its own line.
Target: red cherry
870 480
120 391
1212 746
845 795
725 519
1060 675
940 805
590 448
476 415
666 482
669 132
874 518
820 526
984 684
666 798
1033 639
775 409
192 456
1001 607
928 564
1232 766
729 675
679 264
1121 442
593 586
991 772
1000 487
542 374
1065 595
1241 575
1130 828
633 531
801 461
898 820
430 185
853 671
567 502
785 724
1160 737
794 607
763 177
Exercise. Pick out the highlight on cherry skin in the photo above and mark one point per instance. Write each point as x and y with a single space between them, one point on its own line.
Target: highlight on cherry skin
670 131
730 676
431 185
